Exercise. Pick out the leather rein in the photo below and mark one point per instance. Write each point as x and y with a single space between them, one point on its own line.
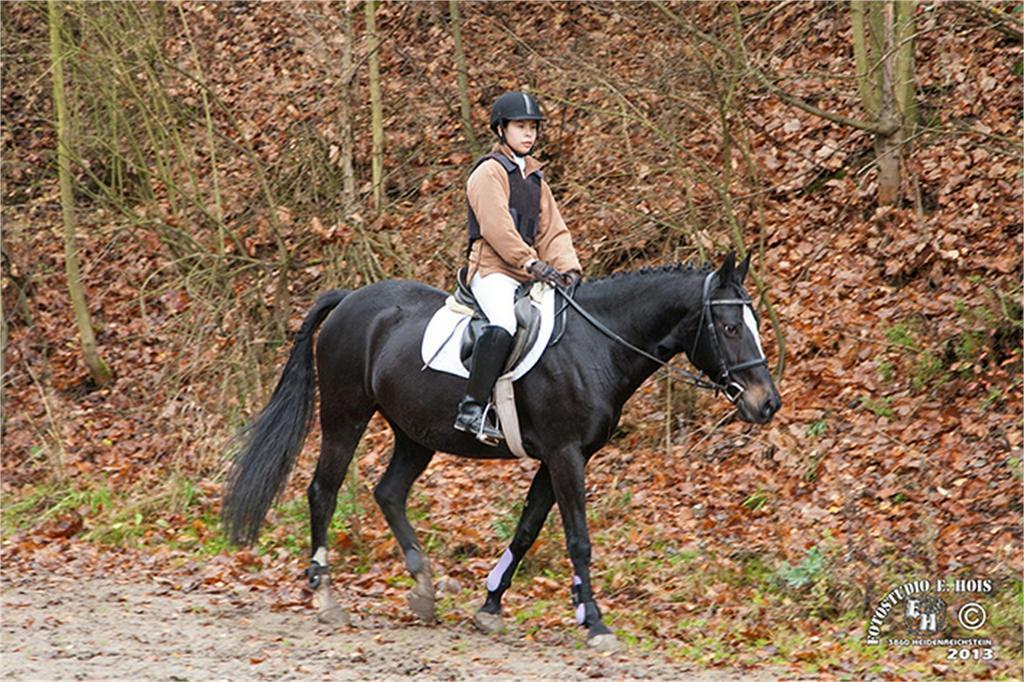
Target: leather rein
727 385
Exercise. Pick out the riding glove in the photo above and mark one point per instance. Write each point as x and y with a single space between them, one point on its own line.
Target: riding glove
541 270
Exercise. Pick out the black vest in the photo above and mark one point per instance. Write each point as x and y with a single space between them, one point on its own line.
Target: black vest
523 201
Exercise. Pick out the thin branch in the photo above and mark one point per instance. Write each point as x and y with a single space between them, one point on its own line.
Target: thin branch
881 128
1003 22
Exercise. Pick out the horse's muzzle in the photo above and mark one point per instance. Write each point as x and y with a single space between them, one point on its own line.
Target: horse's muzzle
759 404
769 407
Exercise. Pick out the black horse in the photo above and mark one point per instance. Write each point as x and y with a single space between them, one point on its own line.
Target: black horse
368 361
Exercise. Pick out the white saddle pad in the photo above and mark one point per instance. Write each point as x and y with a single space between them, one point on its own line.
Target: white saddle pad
443 338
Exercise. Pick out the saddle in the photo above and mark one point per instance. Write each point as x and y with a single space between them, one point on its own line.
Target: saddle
527 319
451 333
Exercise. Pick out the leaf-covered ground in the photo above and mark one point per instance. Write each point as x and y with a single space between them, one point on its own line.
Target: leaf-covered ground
897 455
64 627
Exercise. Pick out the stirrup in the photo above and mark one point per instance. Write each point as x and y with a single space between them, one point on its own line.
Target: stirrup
486 438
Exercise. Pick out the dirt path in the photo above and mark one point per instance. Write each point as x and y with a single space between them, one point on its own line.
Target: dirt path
60 628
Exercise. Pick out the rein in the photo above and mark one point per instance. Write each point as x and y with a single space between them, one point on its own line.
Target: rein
732 390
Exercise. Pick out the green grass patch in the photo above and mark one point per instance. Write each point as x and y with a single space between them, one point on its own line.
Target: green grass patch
817 428
922 362
886 371
988 339
902 336
807 572
755 501
175 514
535 610
123 517
808 609
880 407
50 501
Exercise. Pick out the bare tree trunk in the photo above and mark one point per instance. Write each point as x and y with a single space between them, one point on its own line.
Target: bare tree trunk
377 116
348 175
3 344
98 369
883 48
862 59
460 65
348 179
906 92
887 144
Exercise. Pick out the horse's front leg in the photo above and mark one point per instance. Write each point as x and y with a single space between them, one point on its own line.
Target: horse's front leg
538 504
566 468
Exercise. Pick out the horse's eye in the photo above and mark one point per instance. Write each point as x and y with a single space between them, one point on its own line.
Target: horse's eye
731 330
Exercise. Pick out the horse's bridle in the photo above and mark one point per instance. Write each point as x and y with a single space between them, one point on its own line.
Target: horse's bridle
730 387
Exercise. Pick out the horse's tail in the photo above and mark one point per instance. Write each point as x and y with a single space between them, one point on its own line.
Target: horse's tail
270 444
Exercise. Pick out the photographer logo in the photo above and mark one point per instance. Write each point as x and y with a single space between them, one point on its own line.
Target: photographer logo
926 608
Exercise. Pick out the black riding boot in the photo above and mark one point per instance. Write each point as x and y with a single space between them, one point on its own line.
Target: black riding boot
489 356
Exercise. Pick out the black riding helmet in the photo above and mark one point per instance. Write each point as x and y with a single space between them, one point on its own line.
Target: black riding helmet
514 106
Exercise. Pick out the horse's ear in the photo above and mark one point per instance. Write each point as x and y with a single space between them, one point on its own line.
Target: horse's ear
742 269
725 272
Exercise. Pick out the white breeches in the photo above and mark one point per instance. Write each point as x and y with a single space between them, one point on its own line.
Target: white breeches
496 295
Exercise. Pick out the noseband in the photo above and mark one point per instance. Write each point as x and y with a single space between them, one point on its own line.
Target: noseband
729 386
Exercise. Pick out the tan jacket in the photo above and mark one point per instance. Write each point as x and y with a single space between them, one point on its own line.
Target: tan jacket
501 248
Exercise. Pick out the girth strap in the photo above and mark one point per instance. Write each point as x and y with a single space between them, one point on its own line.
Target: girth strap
505 406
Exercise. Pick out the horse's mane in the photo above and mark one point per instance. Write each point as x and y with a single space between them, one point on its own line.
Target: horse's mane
688 266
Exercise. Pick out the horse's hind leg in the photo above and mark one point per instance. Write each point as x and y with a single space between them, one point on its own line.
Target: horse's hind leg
407 463
538 504
342 430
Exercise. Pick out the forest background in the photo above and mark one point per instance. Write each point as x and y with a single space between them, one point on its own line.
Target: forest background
228 161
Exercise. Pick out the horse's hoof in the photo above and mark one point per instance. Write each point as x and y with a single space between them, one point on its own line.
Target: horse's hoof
334 615
607 643
489 623
422 605
328 610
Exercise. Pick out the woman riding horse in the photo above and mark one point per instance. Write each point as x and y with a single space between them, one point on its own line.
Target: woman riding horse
515 234
368 361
